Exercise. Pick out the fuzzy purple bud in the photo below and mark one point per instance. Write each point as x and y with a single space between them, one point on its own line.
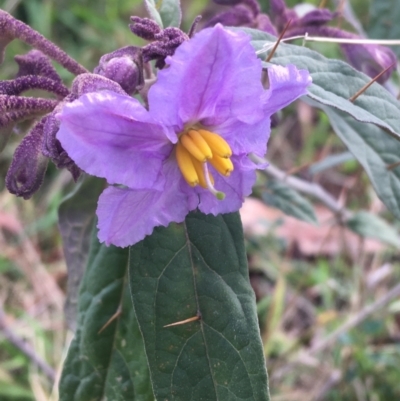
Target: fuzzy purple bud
14 109
36 63
145 28
165 41
19 85
86 83
27 169
236 16
51 146
252 4
124 66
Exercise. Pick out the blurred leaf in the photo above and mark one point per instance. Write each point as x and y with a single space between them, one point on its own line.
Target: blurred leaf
200 267
289 201
106 359
76 215
369 225
265 6
165 12
153 11
335 81
11 391
170 12
329 162
275 312
374 150
384 21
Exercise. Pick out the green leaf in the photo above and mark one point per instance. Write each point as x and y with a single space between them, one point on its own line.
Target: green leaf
330 162
198 268
384 21
170 12
76 216
334 82
369 225
106 359
289 201
153 11
374 150
165 12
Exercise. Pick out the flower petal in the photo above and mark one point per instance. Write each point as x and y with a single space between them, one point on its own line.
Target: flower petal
113 136
286 84
212 76
126 216
245 138
236 187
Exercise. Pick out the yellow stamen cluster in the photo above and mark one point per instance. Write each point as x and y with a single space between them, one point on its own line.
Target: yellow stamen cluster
197 147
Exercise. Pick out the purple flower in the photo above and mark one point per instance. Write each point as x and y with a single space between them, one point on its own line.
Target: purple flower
207 112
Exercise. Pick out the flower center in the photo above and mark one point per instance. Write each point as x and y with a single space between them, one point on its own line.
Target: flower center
194 150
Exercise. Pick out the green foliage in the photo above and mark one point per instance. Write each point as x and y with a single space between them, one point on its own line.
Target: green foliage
362 125
106 358
384 21
198 268
375 151
76 216
335 82
279 195
369 225
165 12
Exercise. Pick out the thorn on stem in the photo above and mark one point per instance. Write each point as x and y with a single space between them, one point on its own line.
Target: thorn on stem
365 87
278 41
115 316
191 319
392 166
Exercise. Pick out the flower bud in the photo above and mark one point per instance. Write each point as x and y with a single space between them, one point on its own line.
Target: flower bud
123 66
28 166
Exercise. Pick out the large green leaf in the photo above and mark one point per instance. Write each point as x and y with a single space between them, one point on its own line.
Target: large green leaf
284 198
384 21
76 215
106 358
198 268
335 82
165 12
374 150
370 225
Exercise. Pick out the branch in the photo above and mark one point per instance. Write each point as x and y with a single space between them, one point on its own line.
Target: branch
25 348
356 320
309 188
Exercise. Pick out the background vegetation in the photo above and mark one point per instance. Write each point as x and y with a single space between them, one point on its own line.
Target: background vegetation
329 321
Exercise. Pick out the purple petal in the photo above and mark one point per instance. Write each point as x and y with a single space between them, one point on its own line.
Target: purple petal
212 76
113 136
286 84
236 187
245 138
126 216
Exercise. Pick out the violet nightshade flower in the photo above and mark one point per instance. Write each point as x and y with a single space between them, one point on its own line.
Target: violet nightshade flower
207 112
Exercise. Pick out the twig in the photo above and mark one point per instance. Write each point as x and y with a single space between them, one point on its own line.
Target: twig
25 348
306 38
309 188
356 320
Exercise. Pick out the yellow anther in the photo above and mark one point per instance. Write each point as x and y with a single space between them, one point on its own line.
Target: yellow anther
200 142
192 148
217 144
223 165
200 173
186 166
